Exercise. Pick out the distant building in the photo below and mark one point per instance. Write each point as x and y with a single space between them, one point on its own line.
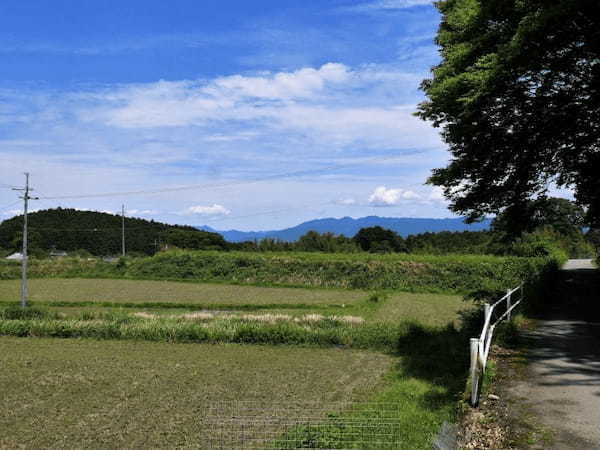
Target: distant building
15 257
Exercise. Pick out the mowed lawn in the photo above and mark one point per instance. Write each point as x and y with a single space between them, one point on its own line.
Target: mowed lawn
57 393
138 291
427 309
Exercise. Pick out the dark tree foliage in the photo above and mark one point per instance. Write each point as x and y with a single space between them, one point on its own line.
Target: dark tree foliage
99 233
312 241
263 245
444 242
193 239
565 216
550 222
593 237
379 240
326 242
517 98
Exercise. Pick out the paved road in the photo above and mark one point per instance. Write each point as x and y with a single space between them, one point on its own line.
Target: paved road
579 264
563 389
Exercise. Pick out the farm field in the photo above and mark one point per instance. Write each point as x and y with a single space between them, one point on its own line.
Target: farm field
151 369
145 358
74 296
141 291
60 393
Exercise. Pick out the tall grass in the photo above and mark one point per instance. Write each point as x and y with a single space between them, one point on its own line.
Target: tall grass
318 331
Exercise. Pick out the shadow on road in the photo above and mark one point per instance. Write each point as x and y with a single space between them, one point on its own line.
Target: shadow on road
567 353
576 296
563 382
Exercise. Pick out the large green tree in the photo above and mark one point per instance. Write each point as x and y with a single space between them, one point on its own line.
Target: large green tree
517 98
379 240
564 216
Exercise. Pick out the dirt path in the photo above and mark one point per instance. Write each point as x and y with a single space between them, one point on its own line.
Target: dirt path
562 389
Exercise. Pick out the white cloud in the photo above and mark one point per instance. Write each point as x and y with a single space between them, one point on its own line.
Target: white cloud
382 196
437 194
332 105
135 137
304 82
141 212
382 127
214 210
346 201
183 103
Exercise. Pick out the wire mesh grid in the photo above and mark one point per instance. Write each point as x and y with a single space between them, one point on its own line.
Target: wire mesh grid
340 425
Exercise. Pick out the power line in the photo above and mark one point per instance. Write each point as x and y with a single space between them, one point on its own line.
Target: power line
292 208
215 185
219 219
8 206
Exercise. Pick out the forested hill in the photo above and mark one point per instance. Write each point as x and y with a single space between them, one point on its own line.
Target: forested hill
98 233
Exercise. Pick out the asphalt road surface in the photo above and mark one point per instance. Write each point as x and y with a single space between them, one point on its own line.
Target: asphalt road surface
562 390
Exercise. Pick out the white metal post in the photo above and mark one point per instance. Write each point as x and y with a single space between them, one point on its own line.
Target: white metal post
474 370
508 294
522 292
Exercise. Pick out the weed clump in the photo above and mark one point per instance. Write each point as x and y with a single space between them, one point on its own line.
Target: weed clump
377 297
17 312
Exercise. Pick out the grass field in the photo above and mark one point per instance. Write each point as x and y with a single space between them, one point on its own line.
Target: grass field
74 296
113 394
139 291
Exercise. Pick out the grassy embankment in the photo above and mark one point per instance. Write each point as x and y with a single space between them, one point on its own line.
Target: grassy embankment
451 274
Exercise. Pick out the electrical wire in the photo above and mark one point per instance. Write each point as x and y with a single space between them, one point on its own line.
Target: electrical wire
8 206
215 185
210 220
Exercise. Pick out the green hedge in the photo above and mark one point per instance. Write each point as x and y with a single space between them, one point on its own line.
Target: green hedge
454 273
419 273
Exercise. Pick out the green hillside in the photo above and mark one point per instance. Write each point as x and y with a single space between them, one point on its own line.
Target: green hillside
100 233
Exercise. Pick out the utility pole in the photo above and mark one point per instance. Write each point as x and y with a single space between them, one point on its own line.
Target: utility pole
123 230
26 199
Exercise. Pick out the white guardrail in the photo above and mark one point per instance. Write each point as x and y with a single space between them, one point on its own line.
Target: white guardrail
480 347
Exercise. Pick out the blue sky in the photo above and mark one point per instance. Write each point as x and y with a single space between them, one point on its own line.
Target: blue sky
276 111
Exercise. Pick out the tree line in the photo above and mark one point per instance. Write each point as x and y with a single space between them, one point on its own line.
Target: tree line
553 224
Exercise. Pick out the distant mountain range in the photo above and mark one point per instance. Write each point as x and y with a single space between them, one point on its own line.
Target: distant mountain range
348 226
